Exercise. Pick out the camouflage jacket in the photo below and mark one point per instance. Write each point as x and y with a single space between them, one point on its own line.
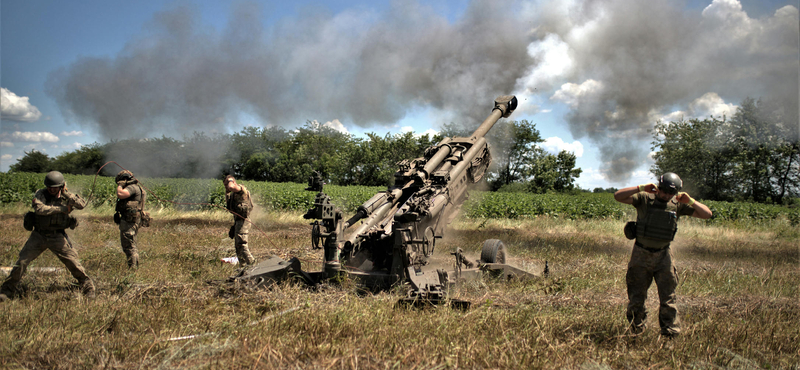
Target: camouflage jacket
52 213
239 202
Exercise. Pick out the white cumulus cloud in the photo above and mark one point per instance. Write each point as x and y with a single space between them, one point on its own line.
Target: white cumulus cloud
6 157
710 104
573 94
430 132
72 146
336 125
71 133
34 136
555 145
6 144
17 108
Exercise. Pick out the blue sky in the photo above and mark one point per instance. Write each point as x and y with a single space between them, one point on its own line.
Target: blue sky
592 76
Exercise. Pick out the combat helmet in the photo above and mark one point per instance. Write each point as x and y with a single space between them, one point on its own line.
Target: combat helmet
670 183
123 175
54 179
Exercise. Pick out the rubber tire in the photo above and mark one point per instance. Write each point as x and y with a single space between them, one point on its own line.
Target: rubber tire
493 251
315 236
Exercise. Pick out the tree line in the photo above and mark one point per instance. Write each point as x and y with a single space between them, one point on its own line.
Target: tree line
275 154
754 155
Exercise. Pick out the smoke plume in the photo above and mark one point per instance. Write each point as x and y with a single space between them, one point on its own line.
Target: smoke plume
627 64
618 65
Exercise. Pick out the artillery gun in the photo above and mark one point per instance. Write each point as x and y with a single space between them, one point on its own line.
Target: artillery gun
399 227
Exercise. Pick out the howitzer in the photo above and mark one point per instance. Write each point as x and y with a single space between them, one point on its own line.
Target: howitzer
399 227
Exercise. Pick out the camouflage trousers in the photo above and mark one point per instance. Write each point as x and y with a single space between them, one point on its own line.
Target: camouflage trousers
241 229
38 242
127 237
644 267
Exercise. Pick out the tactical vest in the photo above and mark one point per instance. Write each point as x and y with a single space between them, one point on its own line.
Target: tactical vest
660 221
240 203
53 222
130 208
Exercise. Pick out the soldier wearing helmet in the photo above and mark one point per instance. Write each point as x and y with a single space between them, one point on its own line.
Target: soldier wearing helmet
52 206
130 205
658 208
239 203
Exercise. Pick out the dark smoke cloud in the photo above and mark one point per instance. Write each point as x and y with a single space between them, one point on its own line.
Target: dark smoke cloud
357 67
633 62
622 65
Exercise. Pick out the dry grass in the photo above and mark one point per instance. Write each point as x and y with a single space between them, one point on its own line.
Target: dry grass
738 299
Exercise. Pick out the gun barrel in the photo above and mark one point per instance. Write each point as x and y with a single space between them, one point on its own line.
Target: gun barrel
480 143
503 106
377 211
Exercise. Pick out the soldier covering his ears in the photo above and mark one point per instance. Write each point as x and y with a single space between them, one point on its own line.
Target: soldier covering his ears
658 208
50 218
129 214
238 202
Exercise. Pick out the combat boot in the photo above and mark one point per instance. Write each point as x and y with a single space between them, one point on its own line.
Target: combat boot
670 332
87 288
8 291
133 261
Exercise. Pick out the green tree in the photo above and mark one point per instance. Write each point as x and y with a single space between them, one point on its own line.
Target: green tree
32 161
377 157
315 147
253 153
700 152
85 160
606 190
550 172
766 140
513 144
755 155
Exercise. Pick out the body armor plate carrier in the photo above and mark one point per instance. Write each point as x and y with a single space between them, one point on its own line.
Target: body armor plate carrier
660 221
131 209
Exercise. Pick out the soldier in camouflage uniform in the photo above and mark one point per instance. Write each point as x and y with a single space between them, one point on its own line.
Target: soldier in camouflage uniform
238 202
130 203
51 206
658 208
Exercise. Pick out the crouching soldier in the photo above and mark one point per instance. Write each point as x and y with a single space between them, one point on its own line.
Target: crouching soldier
48 221
130 214
238 202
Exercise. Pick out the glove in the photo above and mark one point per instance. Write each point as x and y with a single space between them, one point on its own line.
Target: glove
685 198
650 188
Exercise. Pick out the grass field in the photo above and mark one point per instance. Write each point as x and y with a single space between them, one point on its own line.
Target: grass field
738 299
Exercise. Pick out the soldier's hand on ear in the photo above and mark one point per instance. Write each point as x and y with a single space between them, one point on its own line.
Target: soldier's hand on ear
684 198
650 188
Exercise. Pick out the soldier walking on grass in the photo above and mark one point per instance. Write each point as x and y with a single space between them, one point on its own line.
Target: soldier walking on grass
238 202
129 214
658 208
48 221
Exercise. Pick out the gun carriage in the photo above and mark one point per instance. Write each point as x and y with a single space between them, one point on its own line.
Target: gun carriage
399 227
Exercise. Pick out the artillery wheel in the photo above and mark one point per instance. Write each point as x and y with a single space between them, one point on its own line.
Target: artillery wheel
315 235
493 251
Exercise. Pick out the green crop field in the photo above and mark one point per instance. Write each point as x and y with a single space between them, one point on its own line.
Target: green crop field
738 293
193 194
